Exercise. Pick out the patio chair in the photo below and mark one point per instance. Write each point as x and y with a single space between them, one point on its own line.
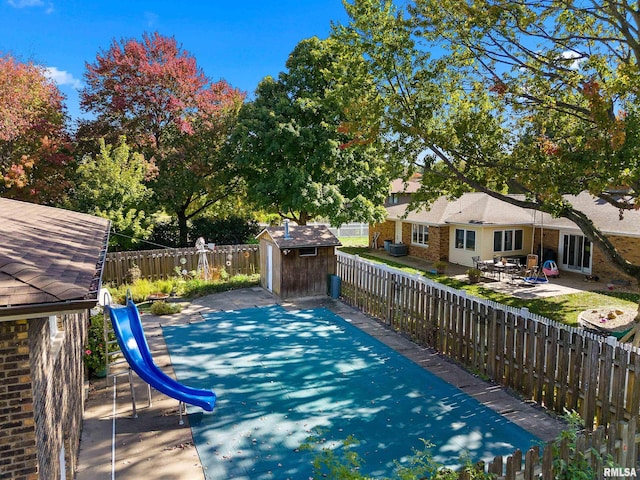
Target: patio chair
531 268
489 268
534 274
516 272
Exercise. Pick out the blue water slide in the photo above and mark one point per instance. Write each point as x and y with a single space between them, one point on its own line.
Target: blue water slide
130 334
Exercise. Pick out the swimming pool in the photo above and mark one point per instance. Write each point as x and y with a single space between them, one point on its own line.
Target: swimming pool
284 376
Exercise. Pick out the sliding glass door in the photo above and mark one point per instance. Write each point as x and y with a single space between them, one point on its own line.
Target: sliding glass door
575 253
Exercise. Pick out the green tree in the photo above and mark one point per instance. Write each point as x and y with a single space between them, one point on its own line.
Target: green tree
152 91
291 147
111 185
534 97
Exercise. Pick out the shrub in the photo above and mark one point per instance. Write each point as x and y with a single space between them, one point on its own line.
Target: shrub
142 288
95 350
226 231
189 288
166 233
165 308
440 266
474 275
197 288
578 466
133 274
345 465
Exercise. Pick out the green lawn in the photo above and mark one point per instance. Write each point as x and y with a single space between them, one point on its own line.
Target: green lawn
563 308
354 242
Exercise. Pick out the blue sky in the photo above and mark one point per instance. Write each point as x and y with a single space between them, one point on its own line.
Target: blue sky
241 41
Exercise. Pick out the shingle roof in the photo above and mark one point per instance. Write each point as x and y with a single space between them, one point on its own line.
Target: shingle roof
480 208
49 255
302 236
411 185
604 216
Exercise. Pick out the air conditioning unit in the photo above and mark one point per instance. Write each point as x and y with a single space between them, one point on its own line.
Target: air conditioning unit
398 250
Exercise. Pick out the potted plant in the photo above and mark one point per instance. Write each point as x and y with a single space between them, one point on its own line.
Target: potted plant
474 275
440 266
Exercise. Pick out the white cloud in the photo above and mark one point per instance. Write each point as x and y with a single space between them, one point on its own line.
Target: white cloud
571 55
31 3
62 78
26 3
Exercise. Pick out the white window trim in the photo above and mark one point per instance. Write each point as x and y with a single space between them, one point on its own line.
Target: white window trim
513 239
314 254
465 240
416 243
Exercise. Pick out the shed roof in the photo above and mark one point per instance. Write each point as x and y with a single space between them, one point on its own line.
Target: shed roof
48 256
301 236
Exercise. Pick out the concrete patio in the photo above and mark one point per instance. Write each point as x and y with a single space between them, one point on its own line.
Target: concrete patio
566 283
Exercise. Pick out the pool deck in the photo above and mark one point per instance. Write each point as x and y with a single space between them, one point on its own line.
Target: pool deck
155 446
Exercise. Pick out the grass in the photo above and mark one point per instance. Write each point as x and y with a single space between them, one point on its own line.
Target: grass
563 308
351 242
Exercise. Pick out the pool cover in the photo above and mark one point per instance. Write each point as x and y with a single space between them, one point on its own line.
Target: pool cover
283 377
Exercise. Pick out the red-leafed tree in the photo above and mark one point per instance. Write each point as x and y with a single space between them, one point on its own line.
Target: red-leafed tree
153 92
34 144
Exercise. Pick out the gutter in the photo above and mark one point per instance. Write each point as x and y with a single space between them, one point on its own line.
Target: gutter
25 312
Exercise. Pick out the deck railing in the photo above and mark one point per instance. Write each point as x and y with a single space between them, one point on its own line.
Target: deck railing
164 263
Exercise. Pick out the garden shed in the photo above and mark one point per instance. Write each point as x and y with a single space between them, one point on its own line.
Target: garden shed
296 260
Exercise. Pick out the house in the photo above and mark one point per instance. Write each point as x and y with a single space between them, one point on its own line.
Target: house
478 225
50 273
296 260
401 191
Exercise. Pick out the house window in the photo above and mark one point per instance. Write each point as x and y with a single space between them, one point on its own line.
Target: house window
507 240
420 234
308 251
394 198
465 239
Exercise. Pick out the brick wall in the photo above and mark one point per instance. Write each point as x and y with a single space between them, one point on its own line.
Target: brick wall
438 248
628 247
18 457
41 397
387 232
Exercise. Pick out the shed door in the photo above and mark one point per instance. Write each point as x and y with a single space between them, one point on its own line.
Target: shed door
269 267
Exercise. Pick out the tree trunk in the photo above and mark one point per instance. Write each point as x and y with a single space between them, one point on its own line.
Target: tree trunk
182 227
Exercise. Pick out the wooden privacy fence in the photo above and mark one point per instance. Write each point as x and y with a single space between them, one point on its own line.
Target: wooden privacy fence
162 264
617 447
552 364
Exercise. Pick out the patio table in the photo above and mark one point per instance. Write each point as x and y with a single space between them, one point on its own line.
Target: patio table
505 268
